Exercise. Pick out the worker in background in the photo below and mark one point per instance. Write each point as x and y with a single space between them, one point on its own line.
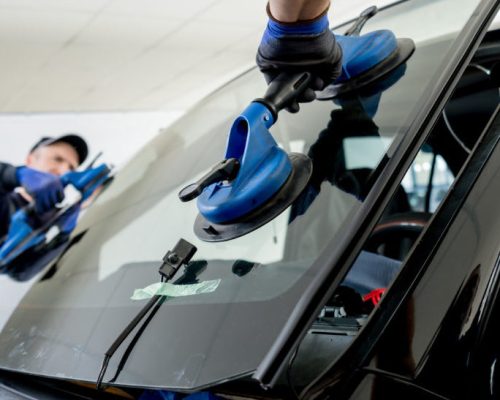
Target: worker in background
39 180
297 38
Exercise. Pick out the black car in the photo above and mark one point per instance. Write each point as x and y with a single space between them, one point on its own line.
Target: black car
380 281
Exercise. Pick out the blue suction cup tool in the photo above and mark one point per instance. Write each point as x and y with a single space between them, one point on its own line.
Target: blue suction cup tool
257 180
366 58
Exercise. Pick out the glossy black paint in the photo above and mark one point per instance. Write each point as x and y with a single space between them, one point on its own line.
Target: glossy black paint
343 255
434 339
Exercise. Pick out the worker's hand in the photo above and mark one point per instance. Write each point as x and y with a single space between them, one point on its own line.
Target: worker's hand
46 189
300 46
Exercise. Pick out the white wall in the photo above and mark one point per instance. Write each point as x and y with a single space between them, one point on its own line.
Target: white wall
117 135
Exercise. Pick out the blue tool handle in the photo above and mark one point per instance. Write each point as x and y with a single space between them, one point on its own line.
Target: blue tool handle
284 90
225 170
18 231
18 238
88 180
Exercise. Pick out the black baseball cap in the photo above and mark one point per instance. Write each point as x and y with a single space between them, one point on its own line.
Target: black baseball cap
75 141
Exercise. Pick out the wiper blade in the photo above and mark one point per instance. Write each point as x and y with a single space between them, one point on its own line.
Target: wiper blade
180 255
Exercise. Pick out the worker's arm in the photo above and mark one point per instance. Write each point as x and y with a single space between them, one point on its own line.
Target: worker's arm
8 183
298 39
297 10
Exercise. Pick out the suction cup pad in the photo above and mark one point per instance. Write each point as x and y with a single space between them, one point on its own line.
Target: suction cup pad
361 53
401 51
291 189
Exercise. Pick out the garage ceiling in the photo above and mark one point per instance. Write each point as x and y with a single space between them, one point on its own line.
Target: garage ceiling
120 55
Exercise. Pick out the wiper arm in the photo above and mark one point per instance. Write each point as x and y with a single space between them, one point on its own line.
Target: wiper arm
180 255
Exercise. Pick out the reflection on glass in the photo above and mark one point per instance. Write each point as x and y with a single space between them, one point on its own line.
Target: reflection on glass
263 274
428 171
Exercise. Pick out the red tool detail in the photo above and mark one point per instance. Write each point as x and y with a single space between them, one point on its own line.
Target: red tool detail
374 296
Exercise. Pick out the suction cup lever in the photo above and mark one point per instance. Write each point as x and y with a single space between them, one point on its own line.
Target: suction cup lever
226 170
284 90
355 29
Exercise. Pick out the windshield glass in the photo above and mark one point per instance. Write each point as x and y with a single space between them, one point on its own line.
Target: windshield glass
80 304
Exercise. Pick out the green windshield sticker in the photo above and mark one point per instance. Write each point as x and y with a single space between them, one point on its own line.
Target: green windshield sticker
171 290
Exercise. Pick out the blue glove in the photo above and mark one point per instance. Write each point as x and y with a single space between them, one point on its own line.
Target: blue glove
46 189
298 47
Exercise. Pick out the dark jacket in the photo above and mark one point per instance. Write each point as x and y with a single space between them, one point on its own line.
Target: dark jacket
9 201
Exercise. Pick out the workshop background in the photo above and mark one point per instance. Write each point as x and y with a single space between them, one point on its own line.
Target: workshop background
119 71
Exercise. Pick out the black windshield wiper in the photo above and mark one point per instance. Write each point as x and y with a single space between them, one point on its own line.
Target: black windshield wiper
180 255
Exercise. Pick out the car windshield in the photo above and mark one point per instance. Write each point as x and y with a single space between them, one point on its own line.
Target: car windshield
248 286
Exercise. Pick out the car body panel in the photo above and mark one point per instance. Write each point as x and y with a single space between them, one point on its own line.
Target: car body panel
81 302
432 337
342 257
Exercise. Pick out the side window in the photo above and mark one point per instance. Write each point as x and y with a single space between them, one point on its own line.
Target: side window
422 190
427 181
433 171
462 120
